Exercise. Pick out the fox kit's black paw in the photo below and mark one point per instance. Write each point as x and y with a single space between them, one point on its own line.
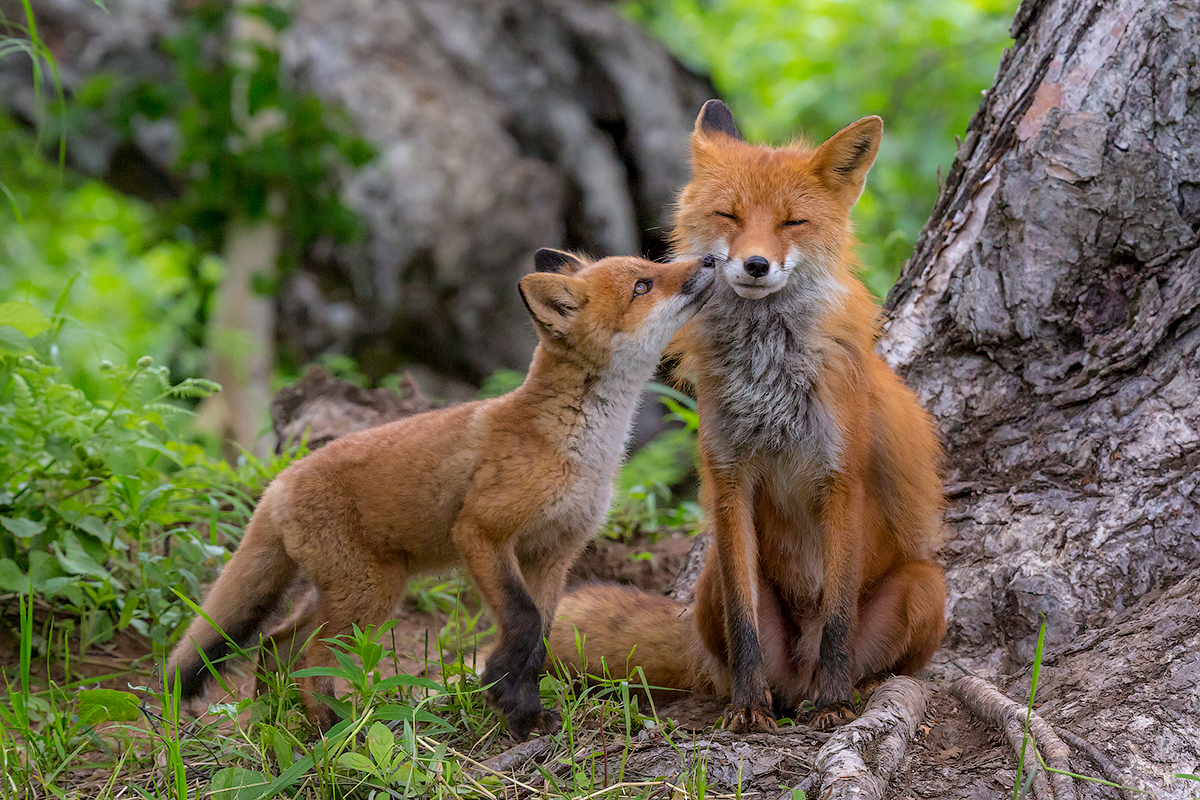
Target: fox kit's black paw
523 722
832 716
749 719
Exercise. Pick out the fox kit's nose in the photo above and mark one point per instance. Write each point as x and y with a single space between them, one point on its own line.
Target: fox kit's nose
756 266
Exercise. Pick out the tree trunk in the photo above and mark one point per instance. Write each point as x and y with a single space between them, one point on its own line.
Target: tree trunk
501 126
241 331
1048 318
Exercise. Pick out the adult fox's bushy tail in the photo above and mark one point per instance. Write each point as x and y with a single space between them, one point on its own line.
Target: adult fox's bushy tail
248 589
613 630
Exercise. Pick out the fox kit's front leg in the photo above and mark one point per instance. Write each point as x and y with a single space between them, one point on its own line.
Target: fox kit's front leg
737 556
512 670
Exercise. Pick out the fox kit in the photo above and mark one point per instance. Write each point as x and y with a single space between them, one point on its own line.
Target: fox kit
819 469
511 487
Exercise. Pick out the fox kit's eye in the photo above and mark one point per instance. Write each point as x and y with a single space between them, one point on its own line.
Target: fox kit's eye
792 223
642 286
726 216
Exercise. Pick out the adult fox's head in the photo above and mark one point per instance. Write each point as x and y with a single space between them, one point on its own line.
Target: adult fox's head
772 212
620 310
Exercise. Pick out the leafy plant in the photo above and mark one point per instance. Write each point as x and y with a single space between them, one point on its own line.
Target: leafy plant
104 503
130 292
645 499
502 381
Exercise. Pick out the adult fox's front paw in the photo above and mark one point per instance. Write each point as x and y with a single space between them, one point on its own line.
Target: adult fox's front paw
749 719
750 708
832 716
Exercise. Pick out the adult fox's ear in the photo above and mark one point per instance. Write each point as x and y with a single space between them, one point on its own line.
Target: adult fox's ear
553 301
715 118
843 161
550 260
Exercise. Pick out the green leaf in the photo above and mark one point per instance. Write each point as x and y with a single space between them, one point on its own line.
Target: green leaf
75 559
14 341
96 527
107 705
284 755
11 577
23 528
381 742
238 783
401 713
44 567
289 776
410 680
24 317
356 761
318 672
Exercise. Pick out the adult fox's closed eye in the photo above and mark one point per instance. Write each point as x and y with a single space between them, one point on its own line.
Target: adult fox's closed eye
818 466
511 487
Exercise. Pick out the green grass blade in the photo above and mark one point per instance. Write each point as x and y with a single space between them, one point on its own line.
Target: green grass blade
1037 669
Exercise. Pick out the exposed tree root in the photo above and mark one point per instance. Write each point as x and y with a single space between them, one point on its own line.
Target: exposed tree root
1107 768
888 722
988 703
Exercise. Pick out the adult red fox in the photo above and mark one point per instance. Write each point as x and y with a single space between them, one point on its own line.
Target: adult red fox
511 487
819 469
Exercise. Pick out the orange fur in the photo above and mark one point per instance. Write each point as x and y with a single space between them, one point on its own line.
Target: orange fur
819 468
511 487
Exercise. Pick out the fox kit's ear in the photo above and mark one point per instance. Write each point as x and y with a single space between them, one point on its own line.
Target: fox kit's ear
843 161
553 301
550 260
715 118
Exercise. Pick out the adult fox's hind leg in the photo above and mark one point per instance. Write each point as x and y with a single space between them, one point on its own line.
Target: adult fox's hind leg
902 623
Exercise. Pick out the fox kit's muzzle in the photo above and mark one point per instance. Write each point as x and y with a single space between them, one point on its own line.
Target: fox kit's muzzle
700 285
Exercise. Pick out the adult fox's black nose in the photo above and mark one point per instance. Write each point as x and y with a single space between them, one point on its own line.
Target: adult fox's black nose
756 266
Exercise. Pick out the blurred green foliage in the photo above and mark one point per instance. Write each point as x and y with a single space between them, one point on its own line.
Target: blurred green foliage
502 381
246 132
134 293
646 500
814 66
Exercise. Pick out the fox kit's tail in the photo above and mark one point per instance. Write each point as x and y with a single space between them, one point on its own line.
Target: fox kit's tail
608 630
247 590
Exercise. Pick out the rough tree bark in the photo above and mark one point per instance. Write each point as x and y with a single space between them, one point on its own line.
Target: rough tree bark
1050 319
502 126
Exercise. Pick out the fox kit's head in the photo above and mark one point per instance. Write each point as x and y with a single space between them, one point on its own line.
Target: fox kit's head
772 212
618 310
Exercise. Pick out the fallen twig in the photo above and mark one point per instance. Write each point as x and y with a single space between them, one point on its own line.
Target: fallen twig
887 723
514 757
988 703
